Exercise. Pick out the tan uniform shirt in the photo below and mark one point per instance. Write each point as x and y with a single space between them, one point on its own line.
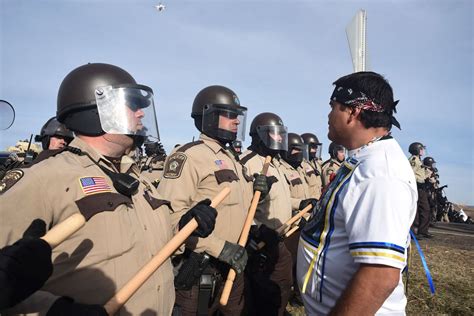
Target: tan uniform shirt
201 172
275 209
102 256
298 188
329 167
312 176
421 172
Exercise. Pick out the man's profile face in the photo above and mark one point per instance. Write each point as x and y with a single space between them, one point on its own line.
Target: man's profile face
57 142
338 118
341 155
295 151
276 137
229 124
134 118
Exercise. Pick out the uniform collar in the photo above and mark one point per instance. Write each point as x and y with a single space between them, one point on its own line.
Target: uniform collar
285 164
211 143
336 161
125 164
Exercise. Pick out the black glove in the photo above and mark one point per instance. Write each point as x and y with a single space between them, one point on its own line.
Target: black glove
262 259
263 184
260 184
307 202
258 234
204 214
66 306
302 223
268 236
24 266
235 255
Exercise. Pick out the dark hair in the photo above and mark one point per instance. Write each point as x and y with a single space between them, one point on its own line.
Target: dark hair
377 88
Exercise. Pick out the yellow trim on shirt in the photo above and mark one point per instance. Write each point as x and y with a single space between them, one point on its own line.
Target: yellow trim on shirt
377 254
322 236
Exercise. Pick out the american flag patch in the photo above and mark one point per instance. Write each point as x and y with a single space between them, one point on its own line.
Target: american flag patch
221 164
92 185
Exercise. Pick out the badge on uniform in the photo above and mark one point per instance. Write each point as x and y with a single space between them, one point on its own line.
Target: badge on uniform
12 177
93 185
174 166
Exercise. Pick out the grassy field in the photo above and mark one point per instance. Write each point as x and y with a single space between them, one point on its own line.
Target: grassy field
451 261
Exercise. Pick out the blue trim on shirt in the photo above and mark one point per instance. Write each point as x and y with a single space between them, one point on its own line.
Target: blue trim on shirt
328 238
381 245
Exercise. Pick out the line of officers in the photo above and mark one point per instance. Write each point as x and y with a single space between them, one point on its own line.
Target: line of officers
427 182
140 201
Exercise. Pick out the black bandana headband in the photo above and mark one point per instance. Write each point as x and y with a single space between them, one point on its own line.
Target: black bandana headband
359 99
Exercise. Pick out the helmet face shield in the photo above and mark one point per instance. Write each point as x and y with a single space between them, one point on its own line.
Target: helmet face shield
224 122
314 151
127 110
274 137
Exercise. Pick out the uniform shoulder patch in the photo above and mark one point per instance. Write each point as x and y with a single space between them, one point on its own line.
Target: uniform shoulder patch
9 180
174 165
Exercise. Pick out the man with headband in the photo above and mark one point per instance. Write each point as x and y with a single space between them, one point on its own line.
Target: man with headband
353 250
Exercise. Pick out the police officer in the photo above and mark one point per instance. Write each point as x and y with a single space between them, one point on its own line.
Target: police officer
330 166
432 187
270 273
109 113
54 135
299 192
202 169
423 213
236 148
312 164
153 162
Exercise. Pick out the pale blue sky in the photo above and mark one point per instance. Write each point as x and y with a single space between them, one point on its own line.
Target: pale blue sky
279 56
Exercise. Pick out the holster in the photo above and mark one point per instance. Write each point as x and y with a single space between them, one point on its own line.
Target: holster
191 266
208 283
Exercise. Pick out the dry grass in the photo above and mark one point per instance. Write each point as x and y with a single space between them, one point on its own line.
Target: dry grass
450 259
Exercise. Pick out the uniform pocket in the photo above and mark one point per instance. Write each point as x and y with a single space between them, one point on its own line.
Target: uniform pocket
225 175
296 181
101 202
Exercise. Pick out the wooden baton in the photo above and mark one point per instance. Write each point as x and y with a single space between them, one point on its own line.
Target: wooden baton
244 235
66 228
124 294
288 223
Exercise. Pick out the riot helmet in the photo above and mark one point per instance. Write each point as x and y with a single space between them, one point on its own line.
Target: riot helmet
154 149
334 149
416 148
296 147
53 128
268 129
314 146
218 114
95 99
429 162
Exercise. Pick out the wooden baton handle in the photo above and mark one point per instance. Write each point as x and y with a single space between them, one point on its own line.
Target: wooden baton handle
288 223
64 230
124 294
244 236
291 231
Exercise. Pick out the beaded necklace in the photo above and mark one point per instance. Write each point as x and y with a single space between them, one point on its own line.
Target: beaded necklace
373 140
